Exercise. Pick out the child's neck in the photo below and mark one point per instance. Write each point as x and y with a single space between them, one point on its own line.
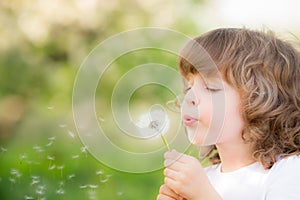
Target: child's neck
234 157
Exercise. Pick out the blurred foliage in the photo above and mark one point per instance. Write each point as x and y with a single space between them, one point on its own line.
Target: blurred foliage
42 45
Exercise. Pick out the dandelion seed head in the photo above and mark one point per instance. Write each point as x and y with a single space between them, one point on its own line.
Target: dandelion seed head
153 123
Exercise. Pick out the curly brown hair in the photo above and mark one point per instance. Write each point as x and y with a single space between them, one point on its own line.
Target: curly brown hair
265 70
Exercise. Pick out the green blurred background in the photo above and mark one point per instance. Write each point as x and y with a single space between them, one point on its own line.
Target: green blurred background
42 45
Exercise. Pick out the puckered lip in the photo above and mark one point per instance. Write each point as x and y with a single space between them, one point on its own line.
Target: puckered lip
189 120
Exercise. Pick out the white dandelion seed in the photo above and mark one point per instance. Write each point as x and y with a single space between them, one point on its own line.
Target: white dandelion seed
38 148
28 197
106 178
75 156
119 193
35 177
50 107
61 167
52 167
50 143
62 125
12 180
71 134
15 173
3 149
23 156
83 186
60 191
52 138
93 186
51 158
71 176
101 119
39 192
99 172
92 195
34 182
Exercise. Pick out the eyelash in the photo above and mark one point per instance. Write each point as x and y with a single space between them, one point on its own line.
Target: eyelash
186 90
212 89
207 88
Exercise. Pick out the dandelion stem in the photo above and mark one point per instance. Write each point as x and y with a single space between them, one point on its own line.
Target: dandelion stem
165 141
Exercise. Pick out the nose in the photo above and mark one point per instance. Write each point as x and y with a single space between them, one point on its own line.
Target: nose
191 99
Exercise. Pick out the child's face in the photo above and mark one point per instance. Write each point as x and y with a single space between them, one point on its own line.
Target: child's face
211 112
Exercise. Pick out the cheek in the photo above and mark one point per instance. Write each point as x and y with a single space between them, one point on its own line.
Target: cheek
233 123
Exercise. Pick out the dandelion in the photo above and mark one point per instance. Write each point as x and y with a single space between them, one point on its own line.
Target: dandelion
154 123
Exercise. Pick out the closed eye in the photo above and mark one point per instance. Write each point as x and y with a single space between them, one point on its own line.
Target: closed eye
187 89
212 89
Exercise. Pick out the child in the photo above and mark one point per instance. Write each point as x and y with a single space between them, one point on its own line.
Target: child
257 139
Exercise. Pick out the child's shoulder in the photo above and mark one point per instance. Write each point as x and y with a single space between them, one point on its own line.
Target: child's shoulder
284 178
288 164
